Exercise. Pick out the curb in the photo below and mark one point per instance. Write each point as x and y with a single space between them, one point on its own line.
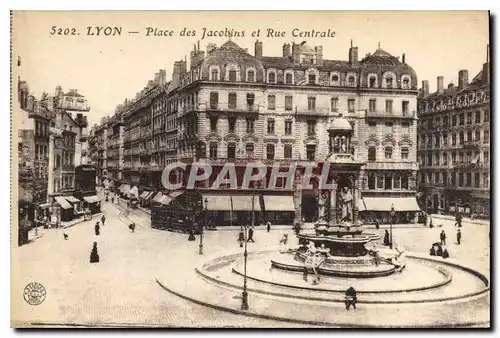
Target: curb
81 221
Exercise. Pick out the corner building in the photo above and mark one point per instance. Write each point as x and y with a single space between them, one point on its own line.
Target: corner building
454 145
359 115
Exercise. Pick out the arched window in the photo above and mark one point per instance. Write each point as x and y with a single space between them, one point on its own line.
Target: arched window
271 77
251 76
372 81
214 74
351 81
232 75
289 78
405 82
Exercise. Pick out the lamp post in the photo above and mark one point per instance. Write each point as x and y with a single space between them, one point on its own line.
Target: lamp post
392 221
203 225
244 295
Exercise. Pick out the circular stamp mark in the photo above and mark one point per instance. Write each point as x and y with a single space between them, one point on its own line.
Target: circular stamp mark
34 293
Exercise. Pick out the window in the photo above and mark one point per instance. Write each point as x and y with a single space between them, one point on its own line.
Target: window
213 150
461 157
389 128
372 81
453 157
372 154
231 98
476 180
445 159
250 100
388 153
288 127
250 124
311 103
486 136
405 152
232 124
397 182
388 106
213 123
461 137
270 151
335 78
469 135
231 150
469 117
406 83
312 79
477 117
486 116
437 140
215 75
351 103
462 119
468 157
388 82
405 107
405 127
311 152
445 178
453 139
477 136
232 75
251 76
289 78
271 102
270 126
486 157
372 105
311 127
272 77
404 183
445 139
288 102
288 151
372 125
351 81
388 182
249 150
486 181
380 182
445 121
214 100
453 120
333 104
461 179
371 182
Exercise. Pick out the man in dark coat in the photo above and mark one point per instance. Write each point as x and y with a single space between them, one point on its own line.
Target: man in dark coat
94 256
387 240
350 298
459 220
442 237
459 236
132 227
191 235
97 228
103 219
268 226
250 235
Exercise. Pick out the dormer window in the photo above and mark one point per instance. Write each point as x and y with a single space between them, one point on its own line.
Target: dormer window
272 77
251 76
232 75
312 79
388 82
215 74
405 82
372 82
289 78
351 81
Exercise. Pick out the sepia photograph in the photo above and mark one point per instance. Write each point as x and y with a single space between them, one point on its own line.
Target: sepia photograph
250 169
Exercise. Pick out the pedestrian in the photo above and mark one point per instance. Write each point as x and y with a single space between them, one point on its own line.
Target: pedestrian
387 241
191 235
350 298
97 229
459 236
241 237
445 253
250 235
430 222
442 236
377 224
94 256
268 226
459 220
103 219
132 226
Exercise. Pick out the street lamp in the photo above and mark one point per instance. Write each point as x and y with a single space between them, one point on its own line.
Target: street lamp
244 295
392 221
203 225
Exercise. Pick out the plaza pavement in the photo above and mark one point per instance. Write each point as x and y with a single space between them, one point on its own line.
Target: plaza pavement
122 290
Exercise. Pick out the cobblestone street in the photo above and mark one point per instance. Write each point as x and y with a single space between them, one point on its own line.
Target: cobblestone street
121 289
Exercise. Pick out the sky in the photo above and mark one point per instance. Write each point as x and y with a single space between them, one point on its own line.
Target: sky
108 69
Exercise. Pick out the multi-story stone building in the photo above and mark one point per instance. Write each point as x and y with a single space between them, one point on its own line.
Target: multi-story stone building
454 144
115 143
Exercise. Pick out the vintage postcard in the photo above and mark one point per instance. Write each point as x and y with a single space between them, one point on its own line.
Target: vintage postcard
251 169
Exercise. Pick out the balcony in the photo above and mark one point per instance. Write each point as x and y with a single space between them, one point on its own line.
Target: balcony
68 167
248 108
468 165
391 115
391 166
474 145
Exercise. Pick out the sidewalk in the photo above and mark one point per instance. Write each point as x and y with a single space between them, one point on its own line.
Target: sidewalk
464 220
73 222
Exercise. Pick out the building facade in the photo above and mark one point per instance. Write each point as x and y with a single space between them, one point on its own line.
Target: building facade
115 149
454 144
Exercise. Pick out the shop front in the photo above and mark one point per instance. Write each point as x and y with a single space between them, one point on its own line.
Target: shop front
66 209
77 205
379 209
93 203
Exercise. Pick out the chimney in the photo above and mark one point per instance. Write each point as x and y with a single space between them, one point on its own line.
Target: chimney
353 55
450 85
403 58
211 47
192 56
463 78
425 88
258 49
486 66
150 84
440 85
319 55
163 77
296 53
286 50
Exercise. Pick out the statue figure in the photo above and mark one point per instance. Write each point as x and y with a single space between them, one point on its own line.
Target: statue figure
346 202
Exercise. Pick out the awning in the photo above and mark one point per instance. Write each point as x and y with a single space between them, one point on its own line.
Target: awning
279 203
244 203
166 199
91 199
475 159
72 199
149 195
217 202
62 201
361 205
158 197
44 205
385 203
224 202
134 192
144 194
